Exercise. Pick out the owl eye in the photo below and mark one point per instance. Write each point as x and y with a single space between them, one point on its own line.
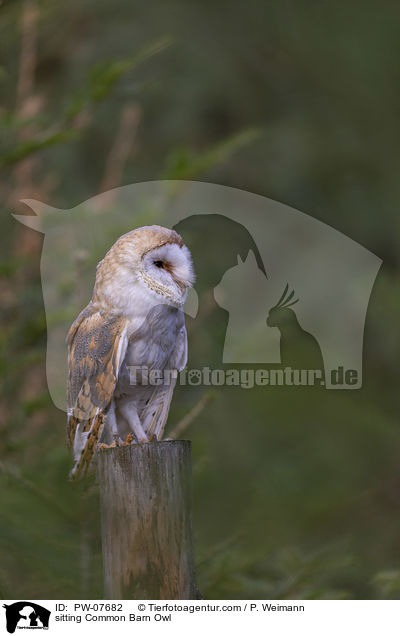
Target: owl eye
159 264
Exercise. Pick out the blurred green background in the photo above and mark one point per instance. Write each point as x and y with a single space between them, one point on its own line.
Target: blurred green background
296 492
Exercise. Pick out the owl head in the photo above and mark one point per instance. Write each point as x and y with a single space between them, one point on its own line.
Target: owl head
149 263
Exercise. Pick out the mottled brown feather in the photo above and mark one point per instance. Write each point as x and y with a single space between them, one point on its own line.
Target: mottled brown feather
94 359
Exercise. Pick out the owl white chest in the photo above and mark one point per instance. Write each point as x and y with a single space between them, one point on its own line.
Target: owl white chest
155 340
153 344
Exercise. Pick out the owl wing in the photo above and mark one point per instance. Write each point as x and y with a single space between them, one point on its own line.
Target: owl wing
154 415
96 348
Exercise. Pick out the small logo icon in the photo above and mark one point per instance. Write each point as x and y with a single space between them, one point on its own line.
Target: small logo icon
26 615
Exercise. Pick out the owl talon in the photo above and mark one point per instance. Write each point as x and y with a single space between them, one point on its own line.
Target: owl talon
107 446
129 440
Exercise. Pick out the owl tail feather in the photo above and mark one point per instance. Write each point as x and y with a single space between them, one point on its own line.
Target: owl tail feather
87 437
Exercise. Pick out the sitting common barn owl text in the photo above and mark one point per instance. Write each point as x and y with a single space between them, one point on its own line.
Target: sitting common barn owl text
135 319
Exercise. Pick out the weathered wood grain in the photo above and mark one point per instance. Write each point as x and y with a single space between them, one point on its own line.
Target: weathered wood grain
146 516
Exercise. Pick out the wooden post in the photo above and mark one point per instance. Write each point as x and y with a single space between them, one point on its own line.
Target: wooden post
146 517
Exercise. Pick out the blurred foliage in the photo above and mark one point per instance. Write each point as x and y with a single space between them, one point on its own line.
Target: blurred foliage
296 493
184 163
101 80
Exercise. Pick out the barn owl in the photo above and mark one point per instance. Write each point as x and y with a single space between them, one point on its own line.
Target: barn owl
135 319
